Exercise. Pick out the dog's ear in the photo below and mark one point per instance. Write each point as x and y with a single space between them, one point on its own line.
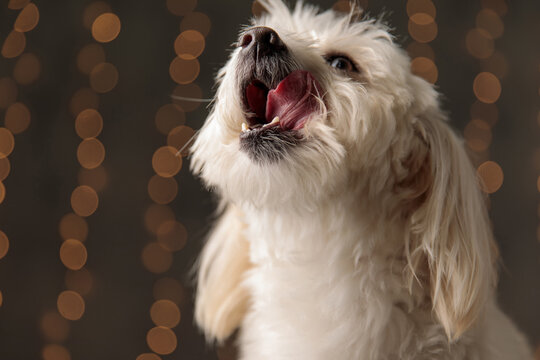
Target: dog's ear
450 248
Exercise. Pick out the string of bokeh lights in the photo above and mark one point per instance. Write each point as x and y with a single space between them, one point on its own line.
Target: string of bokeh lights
92 178
17 116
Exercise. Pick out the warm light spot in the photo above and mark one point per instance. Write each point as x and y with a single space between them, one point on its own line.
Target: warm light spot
73 227
165 162
487 112
181 7
423 33
487 87
148 356
422 19
73 254
425 68
196 21
499 6
88 123
491 176
168 117
170 289
189 44
161 340
162 190
89 57
172 235
106 27
537 187
90 153
80 281
13 45
488 20
55 352
103 77
4 244
184 71
165 313
84 200
54 327
496 64
155 215
155 258
83 99
477 135
5 168
70 305
27 19
421 6
7 142
17 118
180 138
27 69
416 49
95 178
8 92
92 11
479 43
2 192
17 4
192 91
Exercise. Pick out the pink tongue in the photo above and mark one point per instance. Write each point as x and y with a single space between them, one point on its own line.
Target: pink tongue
294 99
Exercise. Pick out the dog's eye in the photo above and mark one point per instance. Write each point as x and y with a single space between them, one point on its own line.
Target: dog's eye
341 62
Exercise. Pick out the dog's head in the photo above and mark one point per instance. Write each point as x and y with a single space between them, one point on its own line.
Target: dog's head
313 104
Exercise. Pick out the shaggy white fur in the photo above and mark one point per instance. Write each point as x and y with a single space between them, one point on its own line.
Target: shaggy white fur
368 238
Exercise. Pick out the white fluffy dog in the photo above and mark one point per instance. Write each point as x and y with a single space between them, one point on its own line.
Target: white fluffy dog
353 226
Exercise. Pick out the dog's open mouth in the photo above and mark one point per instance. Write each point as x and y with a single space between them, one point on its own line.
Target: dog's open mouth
287 107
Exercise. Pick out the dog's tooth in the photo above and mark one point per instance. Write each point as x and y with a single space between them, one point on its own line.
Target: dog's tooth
276 120
244 127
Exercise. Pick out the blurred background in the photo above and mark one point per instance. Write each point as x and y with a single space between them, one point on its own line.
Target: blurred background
100 222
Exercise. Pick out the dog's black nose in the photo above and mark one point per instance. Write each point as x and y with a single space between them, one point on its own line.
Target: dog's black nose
261 39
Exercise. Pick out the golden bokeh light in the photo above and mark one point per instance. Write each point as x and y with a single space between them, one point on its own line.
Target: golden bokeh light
103 77
479 43
491 176
477 135
172 235
155 258
180 138
155 215
92 11
84 200
8 92
537 185
88 123
421 6
7 142
189 44
27 19
423 33
192 91
55 352
422 19
196 21
487 112
425 68
148 356
161 340
73 227
73 254
54 327
27 69
17 4
4 244
181 7
415 49
184 71
499 6
89 57
165 313
83 99
496 64
70 305
165 162
2 192
168 117
95 178
90 153
162 190
5 168
13 45
106 27
17 118
487 87
169 289
80 281
490 21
